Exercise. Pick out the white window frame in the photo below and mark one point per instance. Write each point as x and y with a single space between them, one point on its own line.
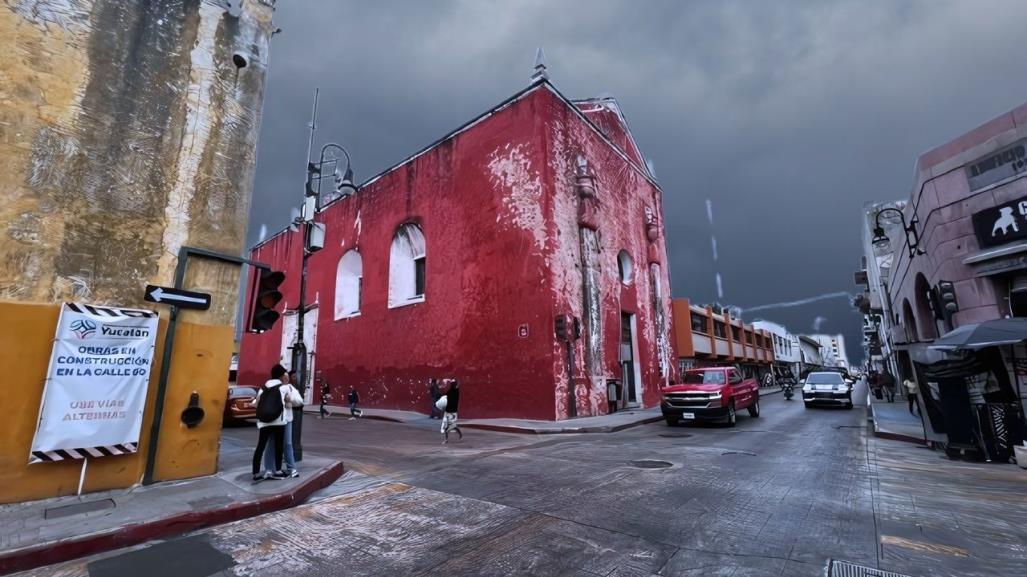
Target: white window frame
340 286
404 251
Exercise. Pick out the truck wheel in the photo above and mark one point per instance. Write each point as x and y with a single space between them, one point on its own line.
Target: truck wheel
671 421
806 404
754 408
731 418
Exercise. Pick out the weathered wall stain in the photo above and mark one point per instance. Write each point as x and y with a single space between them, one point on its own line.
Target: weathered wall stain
126 132
498 206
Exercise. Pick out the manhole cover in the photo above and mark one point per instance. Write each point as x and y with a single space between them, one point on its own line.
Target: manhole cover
650 464
681 436
846 569
747 453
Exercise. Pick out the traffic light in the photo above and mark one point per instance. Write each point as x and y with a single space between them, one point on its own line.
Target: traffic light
266 297
947 298
561 328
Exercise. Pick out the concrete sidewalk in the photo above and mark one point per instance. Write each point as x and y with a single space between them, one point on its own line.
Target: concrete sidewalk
624 419
893 421
38 533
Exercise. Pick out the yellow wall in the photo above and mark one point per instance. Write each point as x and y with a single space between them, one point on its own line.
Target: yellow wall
200 363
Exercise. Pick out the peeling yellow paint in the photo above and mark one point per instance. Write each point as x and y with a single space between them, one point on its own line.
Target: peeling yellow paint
41 84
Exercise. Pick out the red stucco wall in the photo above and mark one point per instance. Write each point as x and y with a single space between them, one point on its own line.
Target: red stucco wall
497 207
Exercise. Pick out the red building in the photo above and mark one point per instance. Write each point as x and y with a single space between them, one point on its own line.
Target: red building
457 261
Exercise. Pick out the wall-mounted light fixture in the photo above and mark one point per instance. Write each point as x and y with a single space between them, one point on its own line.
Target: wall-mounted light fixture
912 237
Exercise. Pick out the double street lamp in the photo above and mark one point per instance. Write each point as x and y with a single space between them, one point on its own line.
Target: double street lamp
912 237
313 235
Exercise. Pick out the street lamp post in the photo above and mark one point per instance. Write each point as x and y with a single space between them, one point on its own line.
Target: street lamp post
881 238
313 241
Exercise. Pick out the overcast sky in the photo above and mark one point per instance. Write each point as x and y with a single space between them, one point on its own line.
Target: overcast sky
786 115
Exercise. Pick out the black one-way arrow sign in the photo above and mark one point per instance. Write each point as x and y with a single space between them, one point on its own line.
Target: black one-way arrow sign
177 297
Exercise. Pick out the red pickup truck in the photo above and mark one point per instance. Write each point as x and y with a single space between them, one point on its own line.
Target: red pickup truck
710 394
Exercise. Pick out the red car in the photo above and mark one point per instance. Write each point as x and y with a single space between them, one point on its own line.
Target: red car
237 405
711 394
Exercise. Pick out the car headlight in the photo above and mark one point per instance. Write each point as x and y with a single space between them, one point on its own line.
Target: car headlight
843 389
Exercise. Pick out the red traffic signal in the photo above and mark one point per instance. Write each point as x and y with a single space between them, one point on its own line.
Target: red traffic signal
266 297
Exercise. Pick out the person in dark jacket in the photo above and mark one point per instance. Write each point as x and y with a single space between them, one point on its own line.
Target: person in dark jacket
887 383
326 397
354 398
435 394
452 406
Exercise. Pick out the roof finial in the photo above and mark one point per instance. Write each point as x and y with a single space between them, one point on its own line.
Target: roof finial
540 66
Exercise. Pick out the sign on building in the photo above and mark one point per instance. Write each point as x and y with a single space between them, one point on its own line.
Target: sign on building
95 390
998 165
1001 224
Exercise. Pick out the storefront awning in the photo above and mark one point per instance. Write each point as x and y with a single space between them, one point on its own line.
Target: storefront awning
982 335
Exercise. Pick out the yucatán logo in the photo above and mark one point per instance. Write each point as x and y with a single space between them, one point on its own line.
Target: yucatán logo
83 328
124 332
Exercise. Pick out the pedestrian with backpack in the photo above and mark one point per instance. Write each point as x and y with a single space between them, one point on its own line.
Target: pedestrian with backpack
293 400
450 407
270 403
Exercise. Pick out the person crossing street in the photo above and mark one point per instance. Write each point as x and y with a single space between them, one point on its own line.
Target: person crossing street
450 409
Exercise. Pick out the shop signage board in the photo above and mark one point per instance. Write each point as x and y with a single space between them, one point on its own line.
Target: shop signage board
95 390
1001 224
998 165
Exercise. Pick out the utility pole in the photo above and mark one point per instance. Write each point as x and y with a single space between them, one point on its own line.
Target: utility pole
299 348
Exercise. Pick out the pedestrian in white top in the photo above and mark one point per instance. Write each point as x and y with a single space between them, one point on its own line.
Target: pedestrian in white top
911 392
271 419
290 393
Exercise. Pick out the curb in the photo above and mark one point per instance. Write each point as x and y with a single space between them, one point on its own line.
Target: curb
891 436
561 431
897 437
66 550
345 416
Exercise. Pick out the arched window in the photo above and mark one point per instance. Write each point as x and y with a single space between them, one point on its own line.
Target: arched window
407 266
349 280
909 321
625 267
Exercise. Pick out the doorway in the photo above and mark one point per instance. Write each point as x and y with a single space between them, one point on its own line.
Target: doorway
289 328
631 372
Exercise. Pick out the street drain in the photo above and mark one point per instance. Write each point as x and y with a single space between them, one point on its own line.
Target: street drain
650 464
681 436
846 569
747 453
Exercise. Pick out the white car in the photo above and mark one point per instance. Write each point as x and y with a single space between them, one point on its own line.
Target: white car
826 388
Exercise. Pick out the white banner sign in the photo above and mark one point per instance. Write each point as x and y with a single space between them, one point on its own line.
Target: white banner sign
95 390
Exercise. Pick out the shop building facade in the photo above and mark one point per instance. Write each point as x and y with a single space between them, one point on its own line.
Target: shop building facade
706 337
957 258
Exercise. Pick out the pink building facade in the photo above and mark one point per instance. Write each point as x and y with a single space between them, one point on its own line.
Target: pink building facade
969 207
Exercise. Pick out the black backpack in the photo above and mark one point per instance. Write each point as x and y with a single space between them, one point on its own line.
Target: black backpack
270 407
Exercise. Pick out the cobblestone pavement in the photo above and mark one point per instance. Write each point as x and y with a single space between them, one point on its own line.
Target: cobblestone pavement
778 495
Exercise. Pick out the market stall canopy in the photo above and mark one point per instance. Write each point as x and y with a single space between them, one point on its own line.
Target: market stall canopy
982 335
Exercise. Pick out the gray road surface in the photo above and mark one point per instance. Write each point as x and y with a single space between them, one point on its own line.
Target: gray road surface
780 495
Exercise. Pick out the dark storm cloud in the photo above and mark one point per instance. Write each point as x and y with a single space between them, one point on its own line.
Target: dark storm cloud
788 115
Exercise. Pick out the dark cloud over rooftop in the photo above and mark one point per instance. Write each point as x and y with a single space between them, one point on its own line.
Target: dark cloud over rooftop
788 115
